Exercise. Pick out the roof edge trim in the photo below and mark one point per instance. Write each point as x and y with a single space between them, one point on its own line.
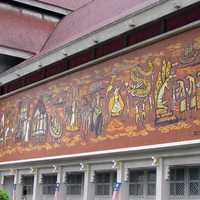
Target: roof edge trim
45 6
15 52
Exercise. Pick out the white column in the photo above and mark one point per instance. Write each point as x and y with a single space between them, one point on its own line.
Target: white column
123 194
89 185
62 194
18 183
162 185
1 181
37 187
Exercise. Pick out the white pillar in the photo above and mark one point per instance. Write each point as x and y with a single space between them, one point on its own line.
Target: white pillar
162 185
89 185
1 181
37 187
123 194
18 183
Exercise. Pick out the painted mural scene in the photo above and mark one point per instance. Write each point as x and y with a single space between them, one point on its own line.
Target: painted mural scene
152 94
99 100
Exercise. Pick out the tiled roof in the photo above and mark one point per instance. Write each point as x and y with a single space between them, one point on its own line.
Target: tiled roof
22 32
95 15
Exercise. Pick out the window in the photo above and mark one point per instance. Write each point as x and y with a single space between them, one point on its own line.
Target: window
74 183
194 181
142 183
177 182
27 185
104 183
49 184
151 183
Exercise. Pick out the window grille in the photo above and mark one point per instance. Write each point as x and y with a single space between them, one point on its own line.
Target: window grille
27 185
194 181
74 183
104 183
177 182
142 183
49 184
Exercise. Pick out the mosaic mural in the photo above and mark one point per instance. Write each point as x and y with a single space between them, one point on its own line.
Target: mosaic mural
149 96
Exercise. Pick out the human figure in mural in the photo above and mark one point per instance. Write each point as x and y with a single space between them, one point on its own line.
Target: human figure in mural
55 125
116 104
190 54
71 114
97 116
198 89
86 116
2 128
191 91
140 90
181 98
163 89
23 122
39 119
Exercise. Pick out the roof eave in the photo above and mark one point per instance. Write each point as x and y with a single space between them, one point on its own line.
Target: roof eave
153 11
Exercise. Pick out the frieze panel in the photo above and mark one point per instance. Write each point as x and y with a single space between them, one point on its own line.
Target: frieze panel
149 96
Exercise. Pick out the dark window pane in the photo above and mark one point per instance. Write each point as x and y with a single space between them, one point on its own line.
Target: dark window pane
136 176
180 174
172 174
151 175
194 173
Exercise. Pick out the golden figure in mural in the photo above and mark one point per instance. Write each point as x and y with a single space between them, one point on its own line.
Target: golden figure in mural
73 123
192 92
116 104
164 76
181 95
140 86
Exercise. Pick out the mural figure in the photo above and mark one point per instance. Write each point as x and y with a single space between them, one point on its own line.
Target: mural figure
2 128
39 119
55 126
23 123
198 90
181 97
141 85
97 117
116 104
86 116
163 111
72 117
191 91
190 54
140 88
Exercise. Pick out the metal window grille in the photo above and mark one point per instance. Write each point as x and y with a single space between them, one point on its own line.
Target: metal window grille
27 185
104 183
177 182
194 181
142 183
49 184
74 183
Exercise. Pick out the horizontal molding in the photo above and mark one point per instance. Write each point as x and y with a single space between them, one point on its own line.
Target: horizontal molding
164 146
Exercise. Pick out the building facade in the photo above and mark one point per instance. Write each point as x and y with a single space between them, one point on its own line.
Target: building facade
121 104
